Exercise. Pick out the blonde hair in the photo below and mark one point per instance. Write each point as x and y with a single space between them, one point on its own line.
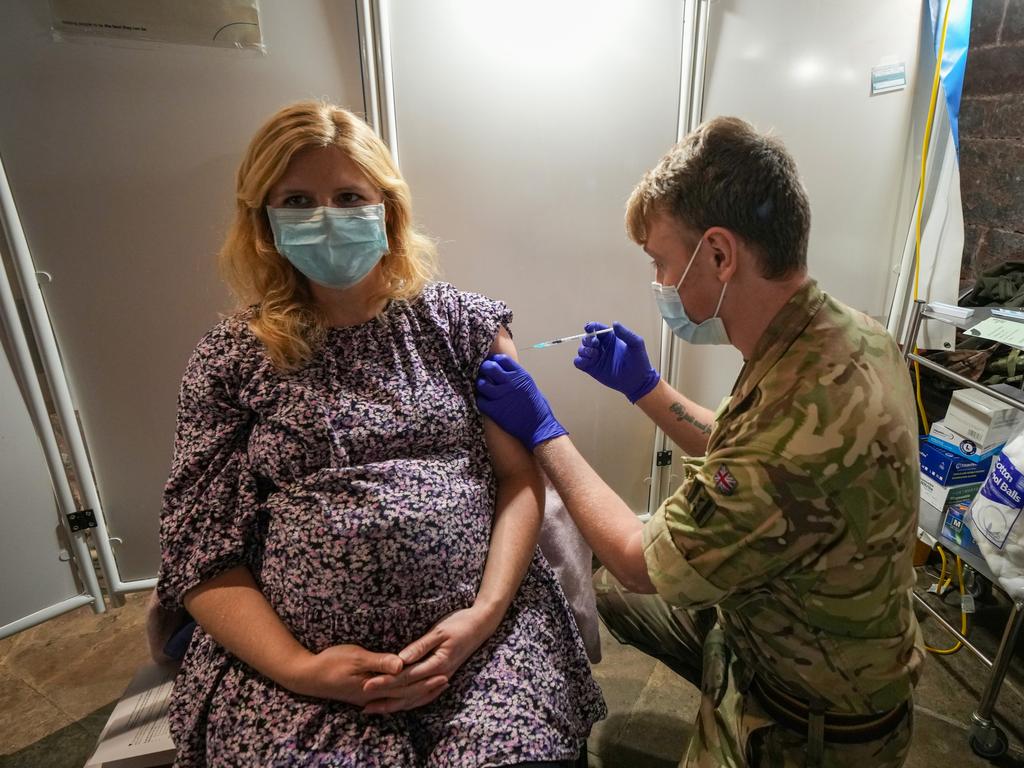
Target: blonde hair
287 320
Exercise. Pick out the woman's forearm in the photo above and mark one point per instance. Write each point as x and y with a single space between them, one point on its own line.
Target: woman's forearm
607 523
517 518
518 511
231 608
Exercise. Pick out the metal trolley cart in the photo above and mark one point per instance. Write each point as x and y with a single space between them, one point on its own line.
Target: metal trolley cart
986 738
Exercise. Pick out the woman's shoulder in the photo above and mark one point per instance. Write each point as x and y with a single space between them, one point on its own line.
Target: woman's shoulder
231 332
456 303
228 343
470 321
439 293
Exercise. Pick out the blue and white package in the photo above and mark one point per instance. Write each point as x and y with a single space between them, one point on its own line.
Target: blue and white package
955 528
997 521
949 468
944 437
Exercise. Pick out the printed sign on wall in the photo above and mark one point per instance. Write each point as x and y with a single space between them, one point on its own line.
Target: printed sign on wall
223 23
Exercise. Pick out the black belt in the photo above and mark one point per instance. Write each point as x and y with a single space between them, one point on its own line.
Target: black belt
840 728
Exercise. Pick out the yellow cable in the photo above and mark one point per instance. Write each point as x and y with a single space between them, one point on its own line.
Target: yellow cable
943 583
920 197
963 614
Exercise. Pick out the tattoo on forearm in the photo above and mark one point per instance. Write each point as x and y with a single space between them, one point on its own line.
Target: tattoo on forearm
682 415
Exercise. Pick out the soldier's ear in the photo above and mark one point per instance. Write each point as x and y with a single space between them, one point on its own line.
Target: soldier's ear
725 246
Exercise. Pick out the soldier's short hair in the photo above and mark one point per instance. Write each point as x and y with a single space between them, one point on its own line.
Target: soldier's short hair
728 174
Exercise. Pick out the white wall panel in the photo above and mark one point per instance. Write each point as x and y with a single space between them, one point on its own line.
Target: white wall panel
122 158
802 69
522 129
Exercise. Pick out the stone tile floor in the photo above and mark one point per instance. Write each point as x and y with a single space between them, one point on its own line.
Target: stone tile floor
59 681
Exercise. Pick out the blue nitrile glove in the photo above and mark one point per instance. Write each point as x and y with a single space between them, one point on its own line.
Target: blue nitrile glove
618 360
180 640
508 394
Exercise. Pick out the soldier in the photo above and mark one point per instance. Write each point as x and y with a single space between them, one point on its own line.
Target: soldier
797 523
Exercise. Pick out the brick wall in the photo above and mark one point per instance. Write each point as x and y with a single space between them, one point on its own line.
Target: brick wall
992 137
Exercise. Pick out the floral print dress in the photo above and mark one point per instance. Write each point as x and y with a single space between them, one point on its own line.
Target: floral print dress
359 492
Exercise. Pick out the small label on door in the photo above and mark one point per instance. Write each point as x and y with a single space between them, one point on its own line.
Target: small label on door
888 77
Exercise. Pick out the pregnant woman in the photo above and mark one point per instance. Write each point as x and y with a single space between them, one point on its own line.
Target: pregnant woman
356 543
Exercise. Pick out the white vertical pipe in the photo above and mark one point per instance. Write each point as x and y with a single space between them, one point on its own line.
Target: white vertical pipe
691 104
36 403
904 280
368 60
386 82
699 66
47 343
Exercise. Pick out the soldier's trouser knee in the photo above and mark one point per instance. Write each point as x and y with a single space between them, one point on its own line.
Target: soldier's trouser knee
674 636
735 732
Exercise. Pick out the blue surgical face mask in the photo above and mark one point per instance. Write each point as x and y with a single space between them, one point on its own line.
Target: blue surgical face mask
336 247
711 331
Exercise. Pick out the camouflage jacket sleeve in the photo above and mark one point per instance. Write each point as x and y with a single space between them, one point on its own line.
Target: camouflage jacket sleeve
743 516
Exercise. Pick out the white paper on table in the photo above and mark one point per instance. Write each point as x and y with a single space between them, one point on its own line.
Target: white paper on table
137 735
1003 331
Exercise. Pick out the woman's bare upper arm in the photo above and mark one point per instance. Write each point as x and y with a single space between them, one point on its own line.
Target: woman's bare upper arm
508 455
503 344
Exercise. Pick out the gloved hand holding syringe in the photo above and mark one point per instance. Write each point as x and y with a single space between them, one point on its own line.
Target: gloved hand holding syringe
614 356
617 359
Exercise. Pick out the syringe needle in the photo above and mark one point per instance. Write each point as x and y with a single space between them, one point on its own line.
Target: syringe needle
552 342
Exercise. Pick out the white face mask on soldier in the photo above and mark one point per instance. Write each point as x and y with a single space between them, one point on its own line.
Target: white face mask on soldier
711 331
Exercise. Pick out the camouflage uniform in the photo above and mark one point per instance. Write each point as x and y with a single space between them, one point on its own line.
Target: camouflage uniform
798 526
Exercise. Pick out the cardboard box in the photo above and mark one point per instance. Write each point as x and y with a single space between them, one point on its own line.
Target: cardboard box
982 418
941 496
944 437
949 468
955 528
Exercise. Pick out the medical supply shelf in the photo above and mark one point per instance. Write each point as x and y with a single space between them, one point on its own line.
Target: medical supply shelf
985 737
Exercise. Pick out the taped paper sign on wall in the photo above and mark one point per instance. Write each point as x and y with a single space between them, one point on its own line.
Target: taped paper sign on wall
221 23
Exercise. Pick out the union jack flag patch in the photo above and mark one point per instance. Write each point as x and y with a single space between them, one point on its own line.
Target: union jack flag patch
725 482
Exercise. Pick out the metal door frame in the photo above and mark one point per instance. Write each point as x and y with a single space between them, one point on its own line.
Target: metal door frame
81 559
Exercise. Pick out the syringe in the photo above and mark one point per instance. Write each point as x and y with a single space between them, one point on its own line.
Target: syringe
553 342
